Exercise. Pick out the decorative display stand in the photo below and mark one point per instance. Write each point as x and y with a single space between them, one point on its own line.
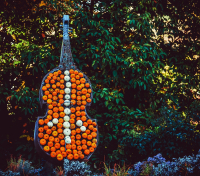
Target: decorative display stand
65 131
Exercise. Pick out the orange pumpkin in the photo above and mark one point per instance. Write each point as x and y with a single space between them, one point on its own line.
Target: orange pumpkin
59 157
46 148
81 156
53 154
76 156
68 151
64 154
42 141
40 135
70 157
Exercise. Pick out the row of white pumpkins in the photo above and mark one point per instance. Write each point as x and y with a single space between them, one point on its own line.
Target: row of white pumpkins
67 111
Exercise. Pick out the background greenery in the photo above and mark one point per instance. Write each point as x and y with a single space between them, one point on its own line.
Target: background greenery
141 56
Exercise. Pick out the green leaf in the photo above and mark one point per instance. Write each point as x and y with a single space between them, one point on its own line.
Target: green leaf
109 106
146 44
95 66
29 58
105 89
135 84
131 81
106 103
117 100
116 157
115 73
121 95
22 99
123 124
139 111
110 137
101 95
25 111
98 15
118 39
18 148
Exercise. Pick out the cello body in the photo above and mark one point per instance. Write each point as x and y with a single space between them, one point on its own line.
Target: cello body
66 131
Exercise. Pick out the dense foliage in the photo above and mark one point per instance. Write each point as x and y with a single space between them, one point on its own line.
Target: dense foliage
137 55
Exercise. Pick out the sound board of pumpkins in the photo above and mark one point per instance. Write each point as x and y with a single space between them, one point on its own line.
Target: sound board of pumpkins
66 130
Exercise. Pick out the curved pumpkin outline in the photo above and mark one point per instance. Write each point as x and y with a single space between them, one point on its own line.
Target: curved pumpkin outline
37 144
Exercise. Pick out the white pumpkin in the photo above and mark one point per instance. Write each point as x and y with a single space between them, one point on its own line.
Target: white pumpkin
66 78
83 128
67 90
66 102
79 123
67 137
67 97
66 72
50 124
55 121
66 118
67 111
66 124
68 84
67 132
68 141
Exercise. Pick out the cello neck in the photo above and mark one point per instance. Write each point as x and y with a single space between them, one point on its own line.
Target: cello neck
66 59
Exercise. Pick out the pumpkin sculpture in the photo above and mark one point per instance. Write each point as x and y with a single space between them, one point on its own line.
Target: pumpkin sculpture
66 130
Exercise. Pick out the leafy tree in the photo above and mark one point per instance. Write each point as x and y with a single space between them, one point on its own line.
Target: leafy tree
28 51
121 46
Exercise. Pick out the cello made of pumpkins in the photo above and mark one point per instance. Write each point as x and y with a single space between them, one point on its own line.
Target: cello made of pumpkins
66 130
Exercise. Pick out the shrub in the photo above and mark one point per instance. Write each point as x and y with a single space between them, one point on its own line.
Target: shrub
9 173
21 167
187 164
75 168
175 137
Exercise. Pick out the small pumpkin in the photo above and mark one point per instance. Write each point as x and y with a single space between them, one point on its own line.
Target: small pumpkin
42 141
81 156
55 133
70 157
40 135
59 157
46 148
87 151
91 149
57 145
64 154
53 154
56 140
68 151
76 156
58 152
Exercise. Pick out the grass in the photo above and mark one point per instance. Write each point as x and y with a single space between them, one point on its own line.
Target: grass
13 166
116 172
